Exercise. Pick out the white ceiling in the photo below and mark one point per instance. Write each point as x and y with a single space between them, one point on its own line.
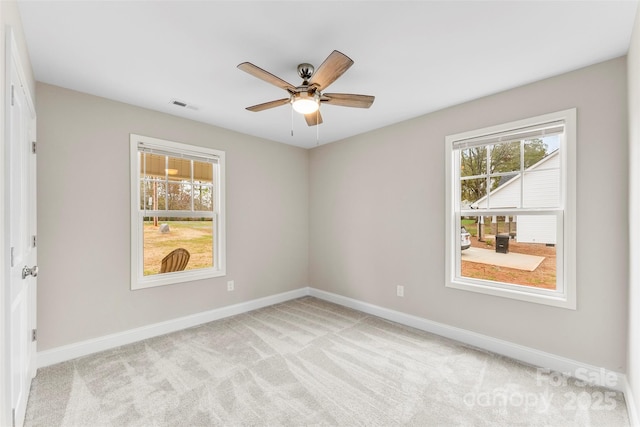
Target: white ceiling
415 57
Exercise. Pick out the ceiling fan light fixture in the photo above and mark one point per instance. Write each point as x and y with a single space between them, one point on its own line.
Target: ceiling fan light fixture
305 103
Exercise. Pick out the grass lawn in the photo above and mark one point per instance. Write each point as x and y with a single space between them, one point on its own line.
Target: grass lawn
503 227
194 236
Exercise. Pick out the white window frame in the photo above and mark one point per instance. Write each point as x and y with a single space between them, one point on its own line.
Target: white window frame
138 280
565 294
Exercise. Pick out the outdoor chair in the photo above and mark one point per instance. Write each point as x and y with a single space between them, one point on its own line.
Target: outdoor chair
176 260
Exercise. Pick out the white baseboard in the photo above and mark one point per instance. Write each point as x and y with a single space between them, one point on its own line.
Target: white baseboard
84 348
632 409
582 371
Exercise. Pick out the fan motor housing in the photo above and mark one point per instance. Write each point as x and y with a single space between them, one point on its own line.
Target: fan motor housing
305 71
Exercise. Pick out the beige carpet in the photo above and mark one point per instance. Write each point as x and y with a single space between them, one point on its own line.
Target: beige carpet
310 362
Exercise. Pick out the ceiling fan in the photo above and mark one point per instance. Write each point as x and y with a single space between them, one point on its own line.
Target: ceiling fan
307 97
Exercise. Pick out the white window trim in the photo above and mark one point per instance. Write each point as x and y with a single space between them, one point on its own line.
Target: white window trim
138 280
564 297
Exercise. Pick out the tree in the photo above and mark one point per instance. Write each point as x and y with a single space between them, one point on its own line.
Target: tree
505 158
534 151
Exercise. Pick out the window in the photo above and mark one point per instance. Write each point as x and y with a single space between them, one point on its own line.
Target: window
177 212
511 210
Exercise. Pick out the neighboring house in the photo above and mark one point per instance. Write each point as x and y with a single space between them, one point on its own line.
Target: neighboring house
540 188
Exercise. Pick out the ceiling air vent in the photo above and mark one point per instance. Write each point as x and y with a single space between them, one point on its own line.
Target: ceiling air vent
182 104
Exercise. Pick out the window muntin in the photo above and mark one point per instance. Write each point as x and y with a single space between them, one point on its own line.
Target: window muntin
177 202
515 180
172 183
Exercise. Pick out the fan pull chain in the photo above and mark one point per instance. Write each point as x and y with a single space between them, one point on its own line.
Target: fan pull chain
317 128
291 119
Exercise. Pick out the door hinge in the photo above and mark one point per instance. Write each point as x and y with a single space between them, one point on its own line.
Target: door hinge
13 417
13 96
12 256
33 147
34 241
34 335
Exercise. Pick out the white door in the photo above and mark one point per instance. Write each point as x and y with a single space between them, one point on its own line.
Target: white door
21 233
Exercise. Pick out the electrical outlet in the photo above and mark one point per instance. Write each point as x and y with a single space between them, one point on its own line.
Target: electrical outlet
400 290
230 285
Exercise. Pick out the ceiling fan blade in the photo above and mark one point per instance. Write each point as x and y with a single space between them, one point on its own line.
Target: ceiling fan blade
258 72
313 119
333 67
267 105
348 100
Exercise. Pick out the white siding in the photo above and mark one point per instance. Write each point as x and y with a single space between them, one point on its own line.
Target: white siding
542 186
507 198
541 189
536 229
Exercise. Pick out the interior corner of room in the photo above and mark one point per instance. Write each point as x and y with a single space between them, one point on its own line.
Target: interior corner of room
359 222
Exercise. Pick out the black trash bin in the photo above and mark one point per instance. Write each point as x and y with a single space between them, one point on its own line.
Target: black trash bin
502 243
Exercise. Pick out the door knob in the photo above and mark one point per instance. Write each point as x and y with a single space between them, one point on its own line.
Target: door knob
26 271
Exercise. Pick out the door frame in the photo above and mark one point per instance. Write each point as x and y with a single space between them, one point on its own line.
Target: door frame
12 56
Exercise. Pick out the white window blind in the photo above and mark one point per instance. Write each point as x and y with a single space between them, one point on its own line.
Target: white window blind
529 132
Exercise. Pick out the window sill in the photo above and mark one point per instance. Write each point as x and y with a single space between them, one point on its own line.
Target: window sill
534 295
174 278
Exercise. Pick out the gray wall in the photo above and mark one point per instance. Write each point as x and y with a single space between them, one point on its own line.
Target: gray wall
84 218
356 218
633 354
377 219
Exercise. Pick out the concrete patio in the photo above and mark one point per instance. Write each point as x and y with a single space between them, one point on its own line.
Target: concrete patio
509 260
